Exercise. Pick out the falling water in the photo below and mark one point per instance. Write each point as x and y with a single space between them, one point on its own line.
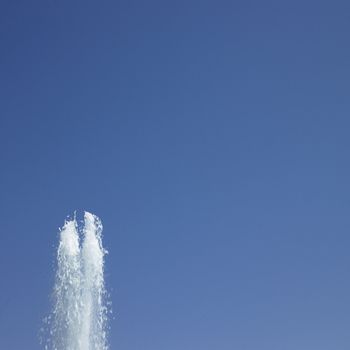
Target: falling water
79 316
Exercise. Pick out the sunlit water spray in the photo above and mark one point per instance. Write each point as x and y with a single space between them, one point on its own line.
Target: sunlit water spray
79 317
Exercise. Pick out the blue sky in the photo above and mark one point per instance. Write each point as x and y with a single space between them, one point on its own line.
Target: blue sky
211 137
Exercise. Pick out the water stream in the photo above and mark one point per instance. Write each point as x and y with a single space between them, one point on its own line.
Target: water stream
79 317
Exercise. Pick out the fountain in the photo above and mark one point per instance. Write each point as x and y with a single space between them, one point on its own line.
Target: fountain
79 317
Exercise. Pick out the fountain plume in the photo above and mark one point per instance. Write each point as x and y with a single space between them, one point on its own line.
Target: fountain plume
79 316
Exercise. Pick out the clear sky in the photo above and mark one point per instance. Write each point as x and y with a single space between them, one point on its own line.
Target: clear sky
211 137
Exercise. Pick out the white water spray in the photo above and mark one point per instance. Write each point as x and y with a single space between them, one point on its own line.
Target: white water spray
79 317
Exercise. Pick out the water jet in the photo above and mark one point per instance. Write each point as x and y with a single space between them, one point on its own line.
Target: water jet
79 317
